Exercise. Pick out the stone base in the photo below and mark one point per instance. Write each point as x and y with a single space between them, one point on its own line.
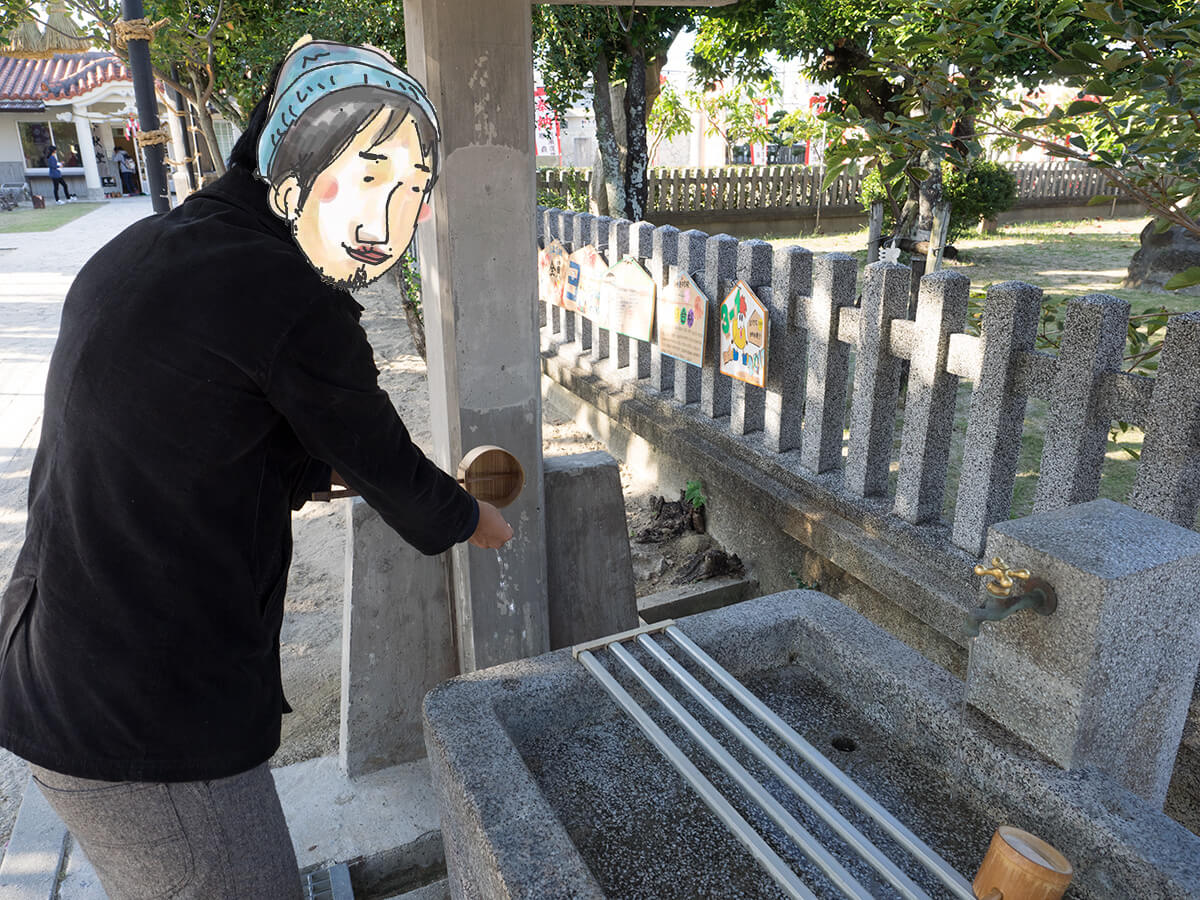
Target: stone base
504 829
1106 680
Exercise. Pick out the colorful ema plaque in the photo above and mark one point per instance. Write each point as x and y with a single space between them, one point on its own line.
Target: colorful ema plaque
744 336
585 272
627 292
552 274
682 315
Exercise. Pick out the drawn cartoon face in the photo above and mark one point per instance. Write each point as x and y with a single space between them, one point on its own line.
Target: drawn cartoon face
349 151
363 208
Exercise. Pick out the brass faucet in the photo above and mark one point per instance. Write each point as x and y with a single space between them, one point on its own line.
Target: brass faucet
1032 593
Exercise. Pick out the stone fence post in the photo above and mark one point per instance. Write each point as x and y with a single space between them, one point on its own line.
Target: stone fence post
929 404
993 442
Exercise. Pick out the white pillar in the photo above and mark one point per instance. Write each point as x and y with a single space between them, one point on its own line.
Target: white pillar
479 289
87 154
175 150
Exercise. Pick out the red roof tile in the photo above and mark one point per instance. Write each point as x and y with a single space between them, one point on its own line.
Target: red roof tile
61 77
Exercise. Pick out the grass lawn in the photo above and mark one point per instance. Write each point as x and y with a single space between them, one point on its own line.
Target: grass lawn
1065 259
28 219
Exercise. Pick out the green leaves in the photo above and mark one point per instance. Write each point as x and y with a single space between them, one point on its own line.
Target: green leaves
1185 279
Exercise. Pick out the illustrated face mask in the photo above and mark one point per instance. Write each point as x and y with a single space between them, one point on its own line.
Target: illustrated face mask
350 152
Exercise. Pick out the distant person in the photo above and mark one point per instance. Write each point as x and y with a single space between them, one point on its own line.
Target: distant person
73 159
126 166
56 174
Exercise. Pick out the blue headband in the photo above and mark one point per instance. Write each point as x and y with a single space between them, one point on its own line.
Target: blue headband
319 68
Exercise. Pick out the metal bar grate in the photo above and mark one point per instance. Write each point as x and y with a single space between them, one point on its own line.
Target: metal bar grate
804 841
332 883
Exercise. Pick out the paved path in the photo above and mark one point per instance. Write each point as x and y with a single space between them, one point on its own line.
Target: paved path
36 268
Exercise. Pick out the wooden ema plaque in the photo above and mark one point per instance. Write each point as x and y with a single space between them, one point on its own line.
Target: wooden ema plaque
586 269
682 317
744 336
491 474
627 293
552 274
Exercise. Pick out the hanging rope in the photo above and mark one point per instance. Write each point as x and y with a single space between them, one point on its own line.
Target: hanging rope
179 163
152 138
126 30
632 7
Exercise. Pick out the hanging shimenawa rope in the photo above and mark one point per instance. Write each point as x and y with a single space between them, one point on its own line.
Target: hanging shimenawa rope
126 30
151 138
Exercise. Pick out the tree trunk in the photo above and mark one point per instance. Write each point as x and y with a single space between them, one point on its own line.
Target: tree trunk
204 117
636 187
416 324
411 305
609 181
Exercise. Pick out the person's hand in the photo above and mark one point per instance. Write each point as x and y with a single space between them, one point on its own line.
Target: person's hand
492 532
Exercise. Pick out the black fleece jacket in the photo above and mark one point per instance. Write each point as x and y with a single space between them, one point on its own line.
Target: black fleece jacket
204 381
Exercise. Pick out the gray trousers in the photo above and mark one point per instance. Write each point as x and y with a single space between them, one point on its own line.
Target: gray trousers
217 840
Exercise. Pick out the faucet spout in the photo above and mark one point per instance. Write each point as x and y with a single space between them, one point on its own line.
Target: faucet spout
1038 596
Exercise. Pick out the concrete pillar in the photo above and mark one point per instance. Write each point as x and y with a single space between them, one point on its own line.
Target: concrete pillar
87 155
397 643
479 268
590 570
1105 680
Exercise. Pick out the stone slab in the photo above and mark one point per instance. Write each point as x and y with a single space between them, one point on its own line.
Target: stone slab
80 881
588 563
689 599
333 818
397 643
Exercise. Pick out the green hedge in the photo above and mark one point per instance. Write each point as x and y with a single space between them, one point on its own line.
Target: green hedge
981 191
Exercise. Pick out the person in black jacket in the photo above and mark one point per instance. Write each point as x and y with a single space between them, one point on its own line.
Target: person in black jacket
210 373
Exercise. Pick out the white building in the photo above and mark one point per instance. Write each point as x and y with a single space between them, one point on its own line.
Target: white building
700 148
56 92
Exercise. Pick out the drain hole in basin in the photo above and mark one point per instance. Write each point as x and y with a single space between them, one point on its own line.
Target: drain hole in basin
843 743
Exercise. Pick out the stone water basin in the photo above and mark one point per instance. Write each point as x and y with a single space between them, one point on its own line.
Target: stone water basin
547 789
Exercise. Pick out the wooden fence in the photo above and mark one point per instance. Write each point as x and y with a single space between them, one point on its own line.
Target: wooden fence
798 188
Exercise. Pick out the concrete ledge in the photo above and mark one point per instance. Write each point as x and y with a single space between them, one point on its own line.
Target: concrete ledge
36 850
384 826
688 599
